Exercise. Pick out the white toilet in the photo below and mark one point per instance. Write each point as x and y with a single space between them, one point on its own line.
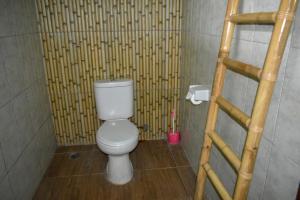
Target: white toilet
117 136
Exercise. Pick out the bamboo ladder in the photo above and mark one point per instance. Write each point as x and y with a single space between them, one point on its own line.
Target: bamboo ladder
254 124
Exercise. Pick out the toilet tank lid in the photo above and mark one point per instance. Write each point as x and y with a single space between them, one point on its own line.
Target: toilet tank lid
112 83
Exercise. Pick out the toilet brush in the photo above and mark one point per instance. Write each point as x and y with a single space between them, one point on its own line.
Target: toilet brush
173 135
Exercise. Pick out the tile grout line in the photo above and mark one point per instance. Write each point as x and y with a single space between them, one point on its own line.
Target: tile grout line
176 167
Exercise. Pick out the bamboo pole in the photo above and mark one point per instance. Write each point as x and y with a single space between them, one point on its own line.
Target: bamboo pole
225 150
254 18
235 113
263 96
242 68
216 182
226 39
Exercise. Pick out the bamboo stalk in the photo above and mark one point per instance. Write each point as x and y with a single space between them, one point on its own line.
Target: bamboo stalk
217 182
235 113
242 68
225 150
254 18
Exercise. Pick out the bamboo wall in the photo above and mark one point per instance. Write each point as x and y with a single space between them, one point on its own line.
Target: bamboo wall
86 40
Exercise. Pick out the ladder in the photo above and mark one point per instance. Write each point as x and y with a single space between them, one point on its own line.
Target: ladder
254 124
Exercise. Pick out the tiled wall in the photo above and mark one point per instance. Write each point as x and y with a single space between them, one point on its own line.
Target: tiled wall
277 171
27 141
88 40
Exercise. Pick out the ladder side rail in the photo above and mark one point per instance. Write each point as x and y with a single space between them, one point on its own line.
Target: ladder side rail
232 8
263 96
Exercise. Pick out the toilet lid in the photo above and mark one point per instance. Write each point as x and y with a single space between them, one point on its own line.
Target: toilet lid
117 133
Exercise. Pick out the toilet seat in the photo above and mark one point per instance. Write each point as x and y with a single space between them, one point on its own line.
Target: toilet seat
116 133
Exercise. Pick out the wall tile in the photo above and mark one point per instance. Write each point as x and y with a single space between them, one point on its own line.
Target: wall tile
296 31
257 183
245 32
5 91
10 47
264 153
15 77
217 14
263 32
16 138
5 18
283 176
25 174
6 119
293 69
205 17
47 144
288 126
6 192
266 5
3 170
23 107
38 104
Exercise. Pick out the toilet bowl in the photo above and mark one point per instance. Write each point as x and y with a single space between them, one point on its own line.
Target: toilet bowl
117 136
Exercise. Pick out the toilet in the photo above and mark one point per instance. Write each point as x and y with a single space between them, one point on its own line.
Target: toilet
117 136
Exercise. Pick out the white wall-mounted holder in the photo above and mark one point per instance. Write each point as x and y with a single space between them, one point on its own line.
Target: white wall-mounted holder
198 93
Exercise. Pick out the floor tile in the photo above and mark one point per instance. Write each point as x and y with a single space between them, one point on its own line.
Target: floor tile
53 188
188 178
98 161
162 184
157 175
152 155
178 155
77 148
63 165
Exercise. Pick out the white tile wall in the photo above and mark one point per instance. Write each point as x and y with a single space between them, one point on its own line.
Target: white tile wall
27 141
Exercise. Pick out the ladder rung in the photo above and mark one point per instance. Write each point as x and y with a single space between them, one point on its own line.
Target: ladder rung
242 68
226 150
216 182
254 18
235 113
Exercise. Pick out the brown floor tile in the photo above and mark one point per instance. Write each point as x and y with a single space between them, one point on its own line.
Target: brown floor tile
152 155
178 155
76 148
163 184
62 165
188 178
156 176
98 161
53 188
160 184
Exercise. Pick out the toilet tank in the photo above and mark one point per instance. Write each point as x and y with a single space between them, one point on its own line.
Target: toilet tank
114 99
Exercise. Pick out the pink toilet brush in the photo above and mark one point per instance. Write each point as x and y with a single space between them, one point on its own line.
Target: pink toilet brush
173 136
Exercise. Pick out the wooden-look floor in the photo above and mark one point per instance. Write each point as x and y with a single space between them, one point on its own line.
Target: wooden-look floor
161 172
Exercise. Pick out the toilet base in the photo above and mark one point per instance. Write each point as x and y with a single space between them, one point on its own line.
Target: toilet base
119 169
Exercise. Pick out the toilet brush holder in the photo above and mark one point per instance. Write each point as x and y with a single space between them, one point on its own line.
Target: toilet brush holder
173 137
